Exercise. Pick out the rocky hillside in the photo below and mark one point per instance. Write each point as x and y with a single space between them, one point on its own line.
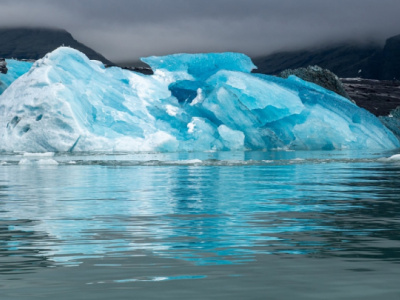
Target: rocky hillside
317 75
3 66
377 96
34 43
345 60
380 97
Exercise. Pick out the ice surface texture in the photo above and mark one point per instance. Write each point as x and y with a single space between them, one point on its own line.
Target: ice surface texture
15 70
193 102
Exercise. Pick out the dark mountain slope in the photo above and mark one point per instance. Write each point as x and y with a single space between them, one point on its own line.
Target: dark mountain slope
345 60
391 59
34 43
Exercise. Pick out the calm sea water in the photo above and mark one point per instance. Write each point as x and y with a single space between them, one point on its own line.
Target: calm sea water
224 225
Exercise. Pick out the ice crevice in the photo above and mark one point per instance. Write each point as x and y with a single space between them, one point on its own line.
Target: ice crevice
193 102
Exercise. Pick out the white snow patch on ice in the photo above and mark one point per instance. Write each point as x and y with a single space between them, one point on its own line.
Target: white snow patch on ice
172 110
191 126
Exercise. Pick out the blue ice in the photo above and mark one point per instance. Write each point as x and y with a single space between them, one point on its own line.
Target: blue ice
193 102
15 70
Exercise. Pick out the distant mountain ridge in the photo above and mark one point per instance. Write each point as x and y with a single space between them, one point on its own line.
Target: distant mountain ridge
34 43
346 60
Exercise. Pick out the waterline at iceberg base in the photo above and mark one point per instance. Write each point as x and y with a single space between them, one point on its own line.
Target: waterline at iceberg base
193 102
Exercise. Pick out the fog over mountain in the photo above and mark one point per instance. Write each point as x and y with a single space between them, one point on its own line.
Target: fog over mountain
124 30
34 43
345 60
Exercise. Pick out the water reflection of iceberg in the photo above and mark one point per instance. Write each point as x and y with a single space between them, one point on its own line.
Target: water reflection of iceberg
21 248
204 214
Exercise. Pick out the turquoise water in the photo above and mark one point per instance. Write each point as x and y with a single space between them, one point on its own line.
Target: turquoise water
222 225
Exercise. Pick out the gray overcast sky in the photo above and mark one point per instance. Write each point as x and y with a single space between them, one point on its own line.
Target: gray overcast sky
127 29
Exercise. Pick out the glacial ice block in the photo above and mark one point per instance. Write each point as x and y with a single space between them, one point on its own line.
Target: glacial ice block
15 70
201 66
193 102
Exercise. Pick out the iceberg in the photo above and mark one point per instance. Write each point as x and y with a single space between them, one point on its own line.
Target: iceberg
193 102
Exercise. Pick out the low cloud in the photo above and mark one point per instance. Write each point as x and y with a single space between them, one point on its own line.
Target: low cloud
125 30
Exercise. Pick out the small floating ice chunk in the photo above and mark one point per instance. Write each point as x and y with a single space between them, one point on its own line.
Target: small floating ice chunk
187 162
25 161
395 157
47 162
296 160
45 154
